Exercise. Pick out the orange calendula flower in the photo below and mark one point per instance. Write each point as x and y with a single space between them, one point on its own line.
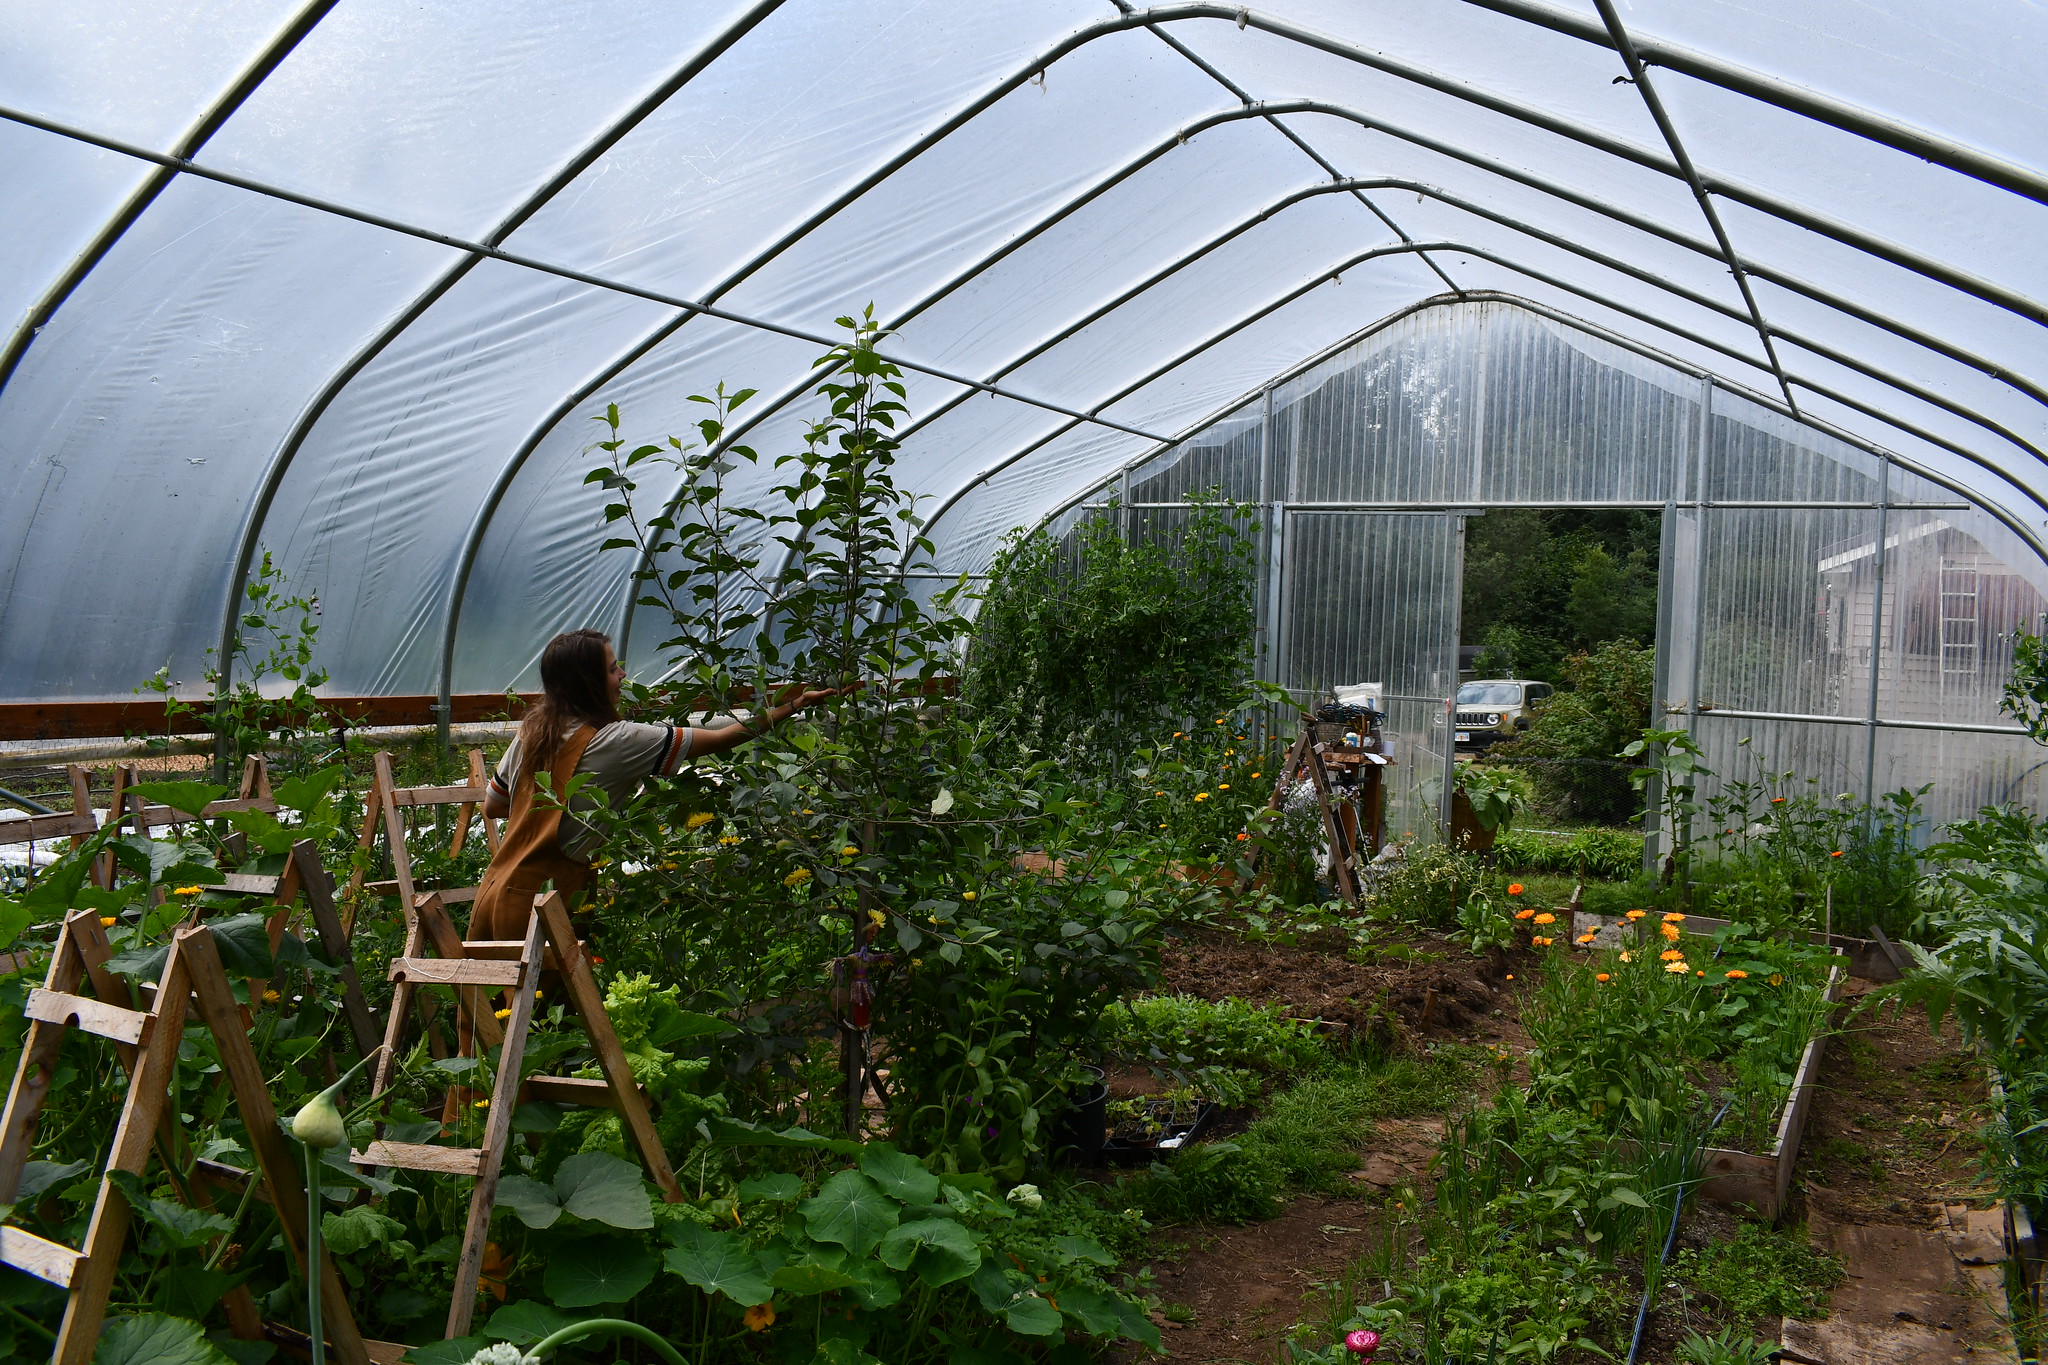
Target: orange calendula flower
1242 836
108 921
1777 800
1511 976
1201 796
760 1317
1524 914
1678 967
1738 975
1670 955
1674 917
1700 973
1546 918
1626 958
1514 888
1836 854
1636 914
1588 936
1669 931
1541 942
497 1267
1602 976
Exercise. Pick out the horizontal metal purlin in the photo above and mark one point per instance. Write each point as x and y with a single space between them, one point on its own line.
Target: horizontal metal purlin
1479 508
1960 727
595 281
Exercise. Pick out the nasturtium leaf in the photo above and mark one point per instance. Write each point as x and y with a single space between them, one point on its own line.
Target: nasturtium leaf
1083 1249
243 1352
718 1263
938 1250
780 1187
604 1189
597 1270
534 1202
536 1116
1032 1316
187 798
156 1339
900 1175
306 792
996 1285
850 1210
840 1351
455 1066
1095 1312
527 1321
455 1351
1135 1325
403 1303
804 1278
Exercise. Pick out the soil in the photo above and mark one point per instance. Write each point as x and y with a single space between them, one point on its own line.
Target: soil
1432 987
1886 1175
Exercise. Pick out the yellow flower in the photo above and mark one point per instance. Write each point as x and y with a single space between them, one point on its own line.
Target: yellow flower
877 918
108 921
760 1317
801 875
503 1014
1201 796
1625 957
917 962
967 895
699 820
1674 918
1670 955
1546 918
1588 936
1776 979
1228 752
483 1103
1254 774
668 867
537 995
1219 722
728 838
1678 967
850 851
271 997
1738 975
1636 914
1223 786
186 891
1670 931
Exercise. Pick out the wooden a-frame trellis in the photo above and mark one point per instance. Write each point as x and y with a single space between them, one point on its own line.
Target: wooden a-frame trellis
1307 757
475 969
384 812
147 1041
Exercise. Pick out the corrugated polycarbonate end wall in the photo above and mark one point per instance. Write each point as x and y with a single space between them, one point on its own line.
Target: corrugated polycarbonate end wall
1794 563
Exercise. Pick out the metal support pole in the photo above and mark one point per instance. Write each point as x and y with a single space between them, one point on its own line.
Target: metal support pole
1884 497
1457 615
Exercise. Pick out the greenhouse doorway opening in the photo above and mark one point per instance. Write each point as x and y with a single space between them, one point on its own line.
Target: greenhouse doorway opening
1558 632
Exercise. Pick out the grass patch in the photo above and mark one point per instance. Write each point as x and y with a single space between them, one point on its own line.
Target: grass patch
1762 1273
1308 1140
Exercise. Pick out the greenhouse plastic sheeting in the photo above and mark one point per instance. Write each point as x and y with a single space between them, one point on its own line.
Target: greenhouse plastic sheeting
345 282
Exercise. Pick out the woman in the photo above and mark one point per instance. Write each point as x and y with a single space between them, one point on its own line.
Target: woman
575 728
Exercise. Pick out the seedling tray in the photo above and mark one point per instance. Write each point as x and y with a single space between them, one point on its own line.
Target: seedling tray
1124 1152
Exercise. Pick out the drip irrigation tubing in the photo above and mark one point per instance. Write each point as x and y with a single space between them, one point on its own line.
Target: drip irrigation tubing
1635 1341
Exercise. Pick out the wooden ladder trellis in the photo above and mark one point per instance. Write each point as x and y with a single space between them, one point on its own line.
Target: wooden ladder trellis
1307 755
304 874
148 1042
383 811
474 969
126 807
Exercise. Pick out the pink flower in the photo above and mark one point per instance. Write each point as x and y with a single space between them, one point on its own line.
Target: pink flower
1362 1343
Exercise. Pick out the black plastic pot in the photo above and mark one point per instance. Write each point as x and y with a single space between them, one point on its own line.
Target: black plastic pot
1077 1132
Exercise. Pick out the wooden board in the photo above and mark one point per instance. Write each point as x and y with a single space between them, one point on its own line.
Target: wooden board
421 1156
93 1016
455 971
44 1259
115 719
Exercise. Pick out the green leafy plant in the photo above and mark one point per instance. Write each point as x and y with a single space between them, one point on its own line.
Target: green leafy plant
1761 1273
1086 647
1497 795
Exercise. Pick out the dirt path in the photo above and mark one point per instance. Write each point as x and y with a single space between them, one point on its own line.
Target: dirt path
1888 1167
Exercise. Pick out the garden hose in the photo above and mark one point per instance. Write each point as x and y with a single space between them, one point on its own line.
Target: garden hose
1635 1341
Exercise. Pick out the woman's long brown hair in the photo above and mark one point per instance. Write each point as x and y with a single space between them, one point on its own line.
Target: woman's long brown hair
574 691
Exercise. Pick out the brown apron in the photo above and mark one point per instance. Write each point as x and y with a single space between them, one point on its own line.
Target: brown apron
530 855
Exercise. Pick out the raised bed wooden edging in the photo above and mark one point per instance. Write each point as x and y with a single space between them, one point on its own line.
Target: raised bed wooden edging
1762 1180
